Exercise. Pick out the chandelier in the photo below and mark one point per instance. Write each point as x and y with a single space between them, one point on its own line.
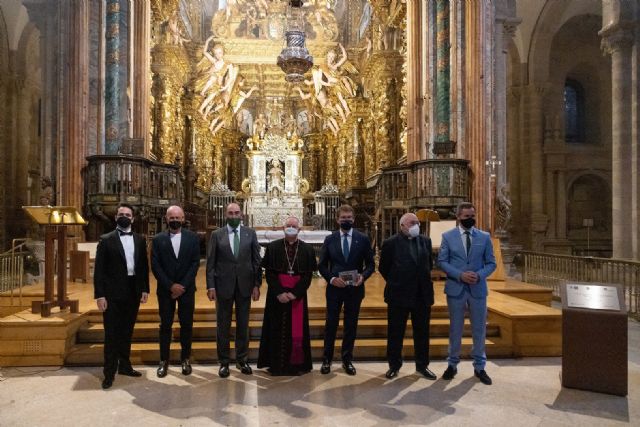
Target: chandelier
295 59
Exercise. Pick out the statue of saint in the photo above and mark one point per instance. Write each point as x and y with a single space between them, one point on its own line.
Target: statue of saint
275 174
260 126
503 209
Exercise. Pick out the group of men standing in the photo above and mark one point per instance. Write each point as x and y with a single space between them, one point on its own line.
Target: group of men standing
234 276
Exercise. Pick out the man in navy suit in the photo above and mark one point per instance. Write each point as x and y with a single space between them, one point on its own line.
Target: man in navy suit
344 250
175 258
466 256
121 283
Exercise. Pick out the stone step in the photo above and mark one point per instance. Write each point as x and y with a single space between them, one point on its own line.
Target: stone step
206 330
209 314
146 353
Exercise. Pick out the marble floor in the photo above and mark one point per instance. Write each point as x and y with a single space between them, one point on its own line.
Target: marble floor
526 392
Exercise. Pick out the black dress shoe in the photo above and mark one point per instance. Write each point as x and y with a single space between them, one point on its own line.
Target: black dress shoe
449 373
244 367
107 383
426 372
130 372
391 373
349 368
186 367
326 367
483 377
224 370
163 369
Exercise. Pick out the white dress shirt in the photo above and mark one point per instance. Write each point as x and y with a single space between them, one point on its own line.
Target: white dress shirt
176 238
129 251
464 236
231 235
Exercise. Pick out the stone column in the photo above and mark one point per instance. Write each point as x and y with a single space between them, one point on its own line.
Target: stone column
416 18
141 65
112 81
561 205
533 124
77 88
617 41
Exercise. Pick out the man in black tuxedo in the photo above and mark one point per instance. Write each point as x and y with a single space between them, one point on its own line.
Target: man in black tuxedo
233 276
405 264
344 250
175 258
121 283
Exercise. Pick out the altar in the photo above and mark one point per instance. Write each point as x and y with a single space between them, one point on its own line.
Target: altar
275 186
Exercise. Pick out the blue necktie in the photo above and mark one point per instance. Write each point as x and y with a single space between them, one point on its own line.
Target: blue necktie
345 246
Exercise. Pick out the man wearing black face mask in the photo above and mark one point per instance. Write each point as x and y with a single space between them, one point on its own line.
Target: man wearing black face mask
466 255
344 251
121 283
175 258
233 277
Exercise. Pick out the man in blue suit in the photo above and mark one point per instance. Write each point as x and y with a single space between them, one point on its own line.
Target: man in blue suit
466 256
175 258
344 250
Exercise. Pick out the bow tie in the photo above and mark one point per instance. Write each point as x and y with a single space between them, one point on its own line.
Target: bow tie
125 233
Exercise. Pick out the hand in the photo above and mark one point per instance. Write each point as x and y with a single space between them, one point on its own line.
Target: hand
359 280
291 296
176 290
338 282
283 298
211 294
144 298
102 304
255 294
469 277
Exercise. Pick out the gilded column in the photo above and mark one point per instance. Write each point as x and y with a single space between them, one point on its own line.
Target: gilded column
112 81
618 42
141 64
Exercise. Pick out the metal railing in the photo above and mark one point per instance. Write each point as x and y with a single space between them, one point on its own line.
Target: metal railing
552 270
12 270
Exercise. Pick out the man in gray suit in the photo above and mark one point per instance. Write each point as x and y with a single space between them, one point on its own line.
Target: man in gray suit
233 275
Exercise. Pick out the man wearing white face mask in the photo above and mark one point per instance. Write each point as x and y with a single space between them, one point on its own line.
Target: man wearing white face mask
405 264
285 344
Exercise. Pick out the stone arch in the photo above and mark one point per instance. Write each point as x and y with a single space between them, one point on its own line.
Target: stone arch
575 54
589 197
553 16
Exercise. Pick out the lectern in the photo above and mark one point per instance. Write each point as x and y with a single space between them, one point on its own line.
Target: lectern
55 219
594 338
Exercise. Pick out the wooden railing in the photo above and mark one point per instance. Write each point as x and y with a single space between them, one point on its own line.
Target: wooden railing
433 183
552 270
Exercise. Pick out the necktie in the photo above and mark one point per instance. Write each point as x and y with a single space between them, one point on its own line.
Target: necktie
125 233
345 246
236 242
468 242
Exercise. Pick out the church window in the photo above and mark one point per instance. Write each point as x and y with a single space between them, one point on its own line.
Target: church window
574 117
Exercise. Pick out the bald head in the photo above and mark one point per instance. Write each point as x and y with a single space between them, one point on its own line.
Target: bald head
292 221
407 221
233 210
175 218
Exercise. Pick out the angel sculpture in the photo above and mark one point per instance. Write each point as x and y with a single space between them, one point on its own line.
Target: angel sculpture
326 105
174 32
230 101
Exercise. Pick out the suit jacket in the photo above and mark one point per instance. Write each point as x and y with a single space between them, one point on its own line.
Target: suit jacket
406 274
168 269
110 275
224 270
453 260
332 260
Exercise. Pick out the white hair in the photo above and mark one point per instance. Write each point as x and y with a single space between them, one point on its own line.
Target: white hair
290 217
405 216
